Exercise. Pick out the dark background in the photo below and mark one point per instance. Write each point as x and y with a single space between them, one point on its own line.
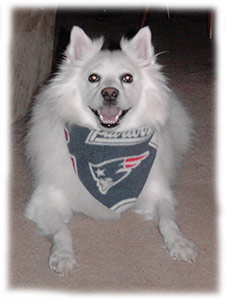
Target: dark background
170 28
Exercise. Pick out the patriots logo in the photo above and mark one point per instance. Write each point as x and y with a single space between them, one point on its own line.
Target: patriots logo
111 172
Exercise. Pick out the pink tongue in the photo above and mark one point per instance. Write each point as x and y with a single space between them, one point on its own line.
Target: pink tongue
109 114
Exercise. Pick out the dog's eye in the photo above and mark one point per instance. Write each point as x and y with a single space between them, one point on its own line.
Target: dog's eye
94 78
128 78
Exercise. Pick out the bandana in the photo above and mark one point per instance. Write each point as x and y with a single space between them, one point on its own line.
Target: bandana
113 166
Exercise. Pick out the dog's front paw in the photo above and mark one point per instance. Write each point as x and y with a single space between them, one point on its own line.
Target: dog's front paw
183 249
62 262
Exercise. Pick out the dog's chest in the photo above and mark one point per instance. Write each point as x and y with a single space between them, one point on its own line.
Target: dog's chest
113 166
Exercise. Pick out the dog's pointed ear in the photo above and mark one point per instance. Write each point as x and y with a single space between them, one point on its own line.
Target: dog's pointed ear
140 46
80 44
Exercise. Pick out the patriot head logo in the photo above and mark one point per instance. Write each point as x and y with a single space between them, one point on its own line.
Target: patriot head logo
111 172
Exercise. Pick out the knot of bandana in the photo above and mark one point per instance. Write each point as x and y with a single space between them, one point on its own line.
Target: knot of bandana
113 166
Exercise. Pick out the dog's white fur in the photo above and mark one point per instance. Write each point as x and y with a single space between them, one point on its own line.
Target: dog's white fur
67 98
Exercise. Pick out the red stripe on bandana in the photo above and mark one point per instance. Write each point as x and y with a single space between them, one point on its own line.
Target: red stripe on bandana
66 135
130 166
135 158
136 161
73 162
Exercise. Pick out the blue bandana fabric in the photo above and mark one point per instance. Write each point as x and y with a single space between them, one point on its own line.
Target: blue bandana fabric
113 166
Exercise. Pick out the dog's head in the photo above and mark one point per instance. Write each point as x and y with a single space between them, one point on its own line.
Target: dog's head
117 90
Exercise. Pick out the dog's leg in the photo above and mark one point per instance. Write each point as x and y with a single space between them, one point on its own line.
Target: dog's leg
161 208
178 246
44 210
62 258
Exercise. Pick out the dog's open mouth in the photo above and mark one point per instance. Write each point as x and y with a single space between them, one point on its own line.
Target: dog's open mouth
109 116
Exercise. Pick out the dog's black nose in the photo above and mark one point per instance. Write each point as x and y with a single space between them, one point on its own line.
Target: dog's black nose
110 94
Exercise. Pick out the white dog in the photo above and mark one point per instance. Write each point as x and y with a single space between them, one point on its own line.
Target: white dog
106 135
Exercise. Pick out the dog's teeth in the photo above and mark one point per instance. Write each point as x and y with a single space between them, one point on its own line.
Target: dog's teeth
119 114
100 116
